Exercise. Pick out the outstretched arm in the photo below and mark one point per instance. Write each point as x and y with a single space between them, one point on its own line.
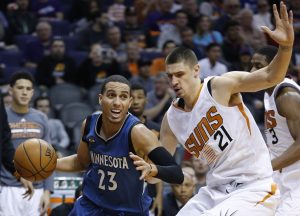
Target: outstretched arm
292 115
274 73
164 166
77 162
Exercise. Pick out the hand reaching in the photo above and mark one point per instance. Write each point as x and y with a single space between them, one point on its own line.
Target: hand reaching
284 32
29 188
147 170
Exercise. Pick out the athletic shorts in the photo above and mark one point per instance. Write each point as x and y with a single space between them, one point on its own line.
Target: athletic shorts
259 198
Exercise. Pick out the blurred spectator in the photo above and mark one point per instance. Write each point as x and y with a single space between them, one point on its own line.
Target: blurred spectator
2 29
158 64
201 168
172 31
263 16
21 20
157 19
116 11
211 66
212 9
180 194
159 99
56 68
114 42
94 33
251 36
245 60
58 135
93 69
47 10
84 9
191 8
130 66
7 99
36 49
231 8
295 6
187 35
204 34
233 43
143 77
65 208
131 29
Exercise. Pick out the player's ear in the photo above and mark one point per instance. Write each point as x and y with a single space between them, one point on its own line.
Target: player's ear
130 101
196 70
100 98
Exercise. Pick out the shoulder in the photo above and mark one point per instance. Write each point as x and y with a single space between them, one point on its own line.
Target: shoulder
288 102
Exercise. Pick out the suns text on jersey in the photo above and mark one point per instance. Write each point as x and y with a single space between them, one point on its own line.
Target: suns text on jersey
109 161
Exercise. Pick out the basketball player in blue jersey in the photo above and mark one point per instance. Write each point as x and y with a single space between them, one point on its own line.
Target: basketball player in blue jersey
211 121
111 151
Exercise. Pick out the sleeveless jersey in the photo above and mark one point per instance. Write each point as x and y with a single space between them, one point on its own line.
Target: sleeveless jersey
227 138
279 138
112 181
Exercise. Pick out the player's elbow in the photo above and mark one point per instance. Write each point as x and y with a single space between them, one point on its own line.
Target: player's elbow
180 176
272 78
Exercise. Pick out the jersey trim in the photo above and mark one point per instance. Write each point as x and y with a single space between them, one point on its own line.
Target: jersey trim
242 110
99 124
270 193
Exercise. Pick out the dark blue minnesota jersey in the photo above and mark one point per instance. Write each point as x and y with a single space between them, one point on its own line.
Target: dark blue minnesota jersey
111 181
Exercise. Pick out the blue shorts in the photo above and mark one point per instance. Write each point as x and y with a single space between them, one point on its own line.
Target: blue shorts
84 207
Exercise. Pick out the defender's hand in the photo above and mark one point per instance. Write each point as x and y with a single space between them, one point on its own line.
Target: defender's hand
29 188
284 31
147 169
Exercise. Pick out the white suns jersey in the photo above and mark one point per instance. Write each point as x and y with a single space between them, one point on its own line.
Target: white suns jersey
227 138
279 138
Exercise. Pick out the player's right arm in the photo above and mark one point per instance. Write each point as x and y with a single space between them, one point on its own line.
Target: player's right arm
77 162
236 82
288 105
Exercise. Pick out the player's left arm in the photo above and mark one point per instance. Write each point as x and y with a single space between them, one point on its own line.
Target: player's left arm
146 144
288 105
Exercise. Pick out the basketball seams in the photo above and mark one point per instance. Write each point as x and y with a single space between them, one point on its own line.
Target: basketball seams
28 157
36 151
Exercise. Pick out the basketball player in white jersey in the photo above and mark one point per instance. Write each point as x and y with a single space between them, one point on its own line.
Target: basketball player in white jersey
282 122
213 124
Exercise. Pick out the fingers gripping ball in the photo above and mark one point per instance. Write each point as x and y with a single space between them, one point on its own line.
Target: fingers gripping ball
35 159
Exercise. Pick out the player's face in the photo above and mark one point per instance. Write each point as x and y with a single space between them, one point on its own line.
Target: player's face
138 103
258 61
181 76
184 191
115 101
43 106
22 92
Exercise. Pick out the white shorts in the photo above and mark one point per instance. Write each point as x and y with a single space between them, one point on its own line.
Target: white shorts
259 198
289 195
13 204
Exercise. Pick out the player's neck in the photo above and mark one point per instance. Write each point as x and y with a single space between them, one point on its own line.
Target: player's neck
108 129
191 99
19 108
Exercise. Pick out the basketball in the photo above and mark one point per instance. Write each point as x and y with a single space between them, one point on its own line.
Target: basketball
35 159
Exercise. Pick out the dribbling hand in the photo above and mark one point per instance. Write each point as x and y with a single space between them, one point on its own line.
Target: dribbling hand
283 34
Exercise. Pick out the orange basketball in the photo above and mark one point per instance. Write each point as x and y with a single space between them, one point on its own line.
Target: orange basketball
35 159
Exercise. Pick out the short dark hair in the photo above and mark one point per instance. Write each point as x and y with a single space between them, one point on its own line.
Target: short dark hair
166 44
39 98
57 38
114 78
230 24
137 86
182 54
20 75
212 45
268 51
